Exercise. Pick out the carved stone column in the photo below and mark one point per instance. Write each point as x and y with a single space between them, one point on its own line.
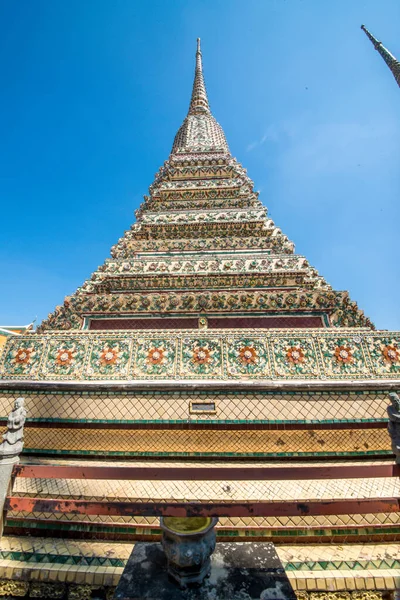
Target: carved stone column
393 411
10 449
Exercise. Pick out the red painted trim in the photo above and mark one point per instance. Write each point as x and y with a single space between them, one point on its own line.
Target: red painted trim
209 473
172 322
219 527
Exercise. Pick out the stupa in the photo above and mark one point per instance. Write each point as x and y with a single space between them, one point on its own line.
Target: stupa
205 340
390 60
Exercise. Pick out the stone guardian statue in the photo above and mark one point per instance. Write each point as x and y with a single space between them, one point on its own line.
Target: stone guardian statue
13 438
393 411
10 449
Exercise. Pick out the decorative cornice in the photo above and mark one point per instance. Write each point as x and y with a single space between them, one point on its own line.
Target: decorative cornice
197 282
197 216
203 229
128 247
158 204
234 262
343 312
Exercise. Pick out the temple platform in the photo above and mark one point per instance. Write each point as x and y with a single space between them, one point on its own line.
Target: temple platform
34 561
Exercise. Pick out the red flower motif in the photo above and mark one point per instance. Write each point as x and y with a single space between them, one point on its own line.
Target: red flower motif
155 356
64 357
295 355
23 356
108 356
201 356
391 353
248 355
343 355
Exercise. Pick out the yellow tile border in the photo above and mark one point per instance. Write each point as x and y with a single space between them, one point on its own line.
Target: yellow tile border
311 581
383 580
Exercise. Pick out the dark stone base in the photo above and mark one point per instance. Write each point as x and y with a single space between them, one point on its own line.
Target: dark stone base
239 571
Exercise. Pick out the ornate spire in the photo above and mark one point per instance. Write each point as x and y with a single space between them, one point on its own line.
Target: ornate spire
199 101
390 60
199 132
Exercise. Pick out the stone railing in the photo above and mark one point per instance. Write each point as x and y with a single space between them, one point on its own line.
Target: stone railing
312 354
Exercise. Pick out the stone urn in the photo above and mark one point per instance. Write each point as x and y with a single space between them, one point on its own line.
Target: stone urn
188 543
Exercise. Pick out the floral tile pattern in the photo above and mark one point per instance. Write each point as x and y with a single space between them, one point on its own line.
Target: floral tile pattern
294 357
65 357
247 356
212 354
343 356
109 358
385 354
201 357
23 356
155 357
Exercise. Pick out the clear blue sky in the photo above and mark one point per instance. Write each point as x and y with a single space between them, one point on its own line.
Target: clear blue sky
92 94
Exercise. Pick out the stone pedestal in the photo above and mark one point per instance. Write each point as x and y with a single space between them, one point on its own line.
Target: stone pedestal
10 449
6 468
239 571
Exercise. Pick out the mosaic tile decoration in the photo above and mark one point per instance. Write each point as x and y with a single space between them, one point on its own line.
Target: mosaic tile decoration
107 356
67 358
155 357
316 354
385 354
23 359
247 357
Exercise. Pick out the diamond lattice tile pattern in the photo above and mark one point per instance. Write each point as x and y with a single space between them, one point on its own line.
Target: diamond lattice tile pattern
70 547
207 441
205 491
333 552
309 558
328 521
322 521
316 406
